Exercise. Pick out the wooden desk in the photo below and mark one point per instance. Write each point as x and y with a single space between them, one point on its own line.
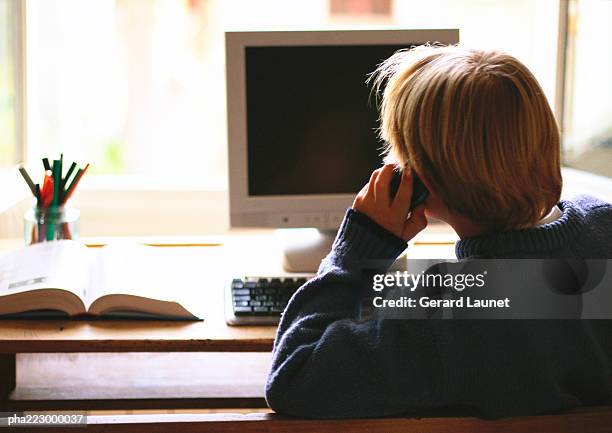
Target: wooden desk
206 270
212 335
66 336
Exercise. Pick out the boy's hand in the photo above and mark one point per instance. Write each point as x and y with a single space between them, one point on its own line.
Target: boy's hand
393 214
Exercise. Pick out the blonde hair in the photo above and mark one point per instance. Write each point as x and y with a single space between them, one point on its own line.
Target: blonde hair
478 127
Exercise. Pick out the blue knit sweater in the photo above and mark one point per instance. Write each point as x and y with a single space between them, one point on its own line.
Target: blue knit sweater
330 363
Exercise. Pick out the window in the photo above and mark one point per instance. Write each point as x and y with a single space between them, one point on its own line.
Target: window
587 114
132 86
11 89
137 87
12 97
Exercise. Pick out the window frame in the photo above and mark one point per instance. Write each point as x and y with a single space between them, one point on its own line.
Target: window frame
13 186
19 52
562 48
124 205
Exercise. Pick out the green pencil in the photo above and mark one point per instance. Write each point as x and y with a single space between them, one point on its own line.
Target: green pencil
73 184
57 175
66 179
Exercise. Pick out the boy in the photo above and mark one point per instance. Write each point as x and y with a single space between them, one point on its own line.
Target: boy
476 128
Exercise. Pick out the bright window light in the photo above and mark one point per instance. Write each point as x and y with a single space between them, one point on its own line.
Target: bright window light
10 88
137 87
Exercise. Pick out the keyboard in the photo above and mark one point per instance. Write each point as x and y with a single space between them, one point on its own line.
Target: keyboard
259 300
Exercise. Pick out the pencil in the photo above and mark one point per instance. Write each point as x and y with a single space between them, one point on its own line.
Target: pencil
28 179
70 170
75 182
47 190
72 185
46 164
60 190
57 175
57 166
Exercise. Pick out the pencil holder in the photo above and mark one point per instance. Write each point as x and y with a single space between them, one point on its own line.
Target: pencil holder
43 224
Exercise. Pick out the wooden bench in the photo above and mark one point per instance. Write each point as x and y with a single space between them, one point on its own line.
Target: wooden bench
591 420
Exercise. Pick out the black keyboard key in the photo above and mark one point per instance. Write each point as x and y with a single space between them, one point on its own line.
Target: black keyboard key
241 303
243 292
252 285
242 297
237 284
289 286
255 303
261 310
242 310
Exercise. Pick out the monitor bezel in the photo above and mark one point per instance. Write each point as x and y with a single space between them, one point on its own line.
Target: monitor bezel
323 211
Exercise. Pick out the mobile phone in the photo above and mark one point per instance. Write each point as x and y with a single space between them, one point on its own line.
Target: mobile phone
419 191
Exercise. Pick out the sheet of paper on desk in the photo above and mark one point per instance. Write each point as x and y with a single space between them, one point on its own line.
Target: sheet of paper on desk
60 264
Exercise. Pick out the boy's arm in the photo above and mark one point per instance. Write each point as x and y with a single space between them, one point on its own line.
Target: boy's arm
327 362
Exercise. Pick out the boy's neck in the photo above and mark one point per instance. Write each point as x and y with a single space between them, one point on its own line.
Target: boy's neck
466 228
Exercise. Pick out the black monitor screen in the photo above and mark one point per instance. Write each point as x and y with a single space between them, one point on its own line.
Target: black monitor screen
312 125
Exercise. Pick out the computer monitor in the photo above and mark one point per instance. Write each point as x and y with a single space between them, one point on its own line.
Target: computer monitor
302 136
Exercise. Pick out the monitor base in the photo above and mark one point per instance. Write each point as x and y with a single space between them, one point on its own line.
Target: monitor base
303 249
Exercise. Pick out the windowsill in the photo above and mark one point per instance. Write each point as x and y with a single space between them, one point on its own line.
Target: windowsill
136 206
152 212
582 182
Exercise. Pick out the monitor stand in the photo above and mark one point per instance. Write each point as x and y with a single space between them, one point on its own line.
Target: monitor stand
303 249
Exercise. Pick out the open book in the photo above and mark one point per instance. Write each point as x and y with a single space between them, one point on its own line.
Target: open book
67 278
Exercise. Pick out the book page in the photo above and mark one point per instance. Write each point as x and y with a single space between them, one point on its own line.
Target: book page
133 269
174 276
48 265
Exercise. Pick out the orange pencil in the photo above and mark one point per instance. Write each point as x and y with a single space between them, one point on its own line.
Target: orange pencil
47 190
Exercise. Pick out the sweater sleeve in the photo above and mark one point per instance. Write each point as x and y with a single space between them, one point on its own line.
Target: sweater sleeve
328 362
